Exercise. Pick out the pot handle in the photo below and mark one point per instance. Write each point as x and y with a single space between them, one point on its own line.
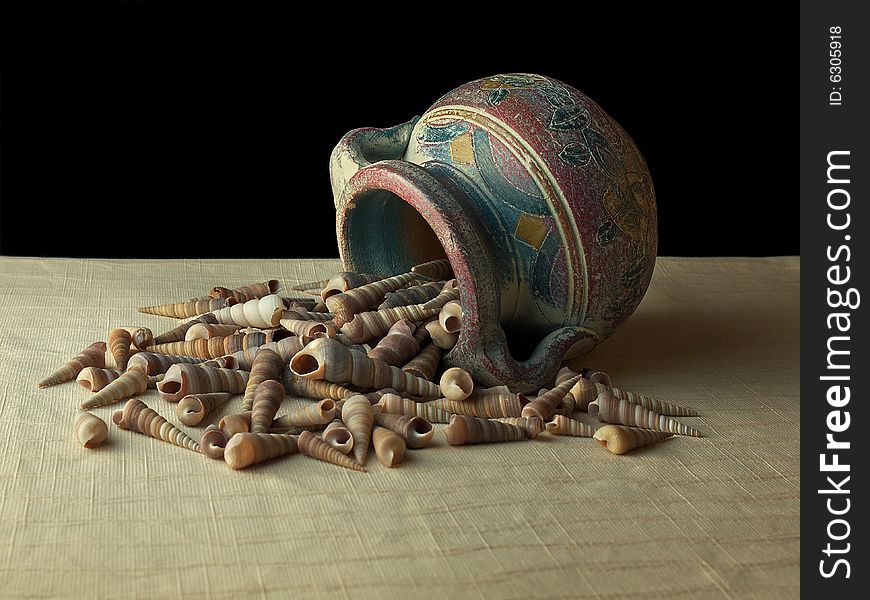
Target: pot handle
362 147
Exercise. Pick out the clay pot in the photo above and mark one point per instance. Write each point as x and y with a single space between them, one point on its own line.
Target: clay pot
541 202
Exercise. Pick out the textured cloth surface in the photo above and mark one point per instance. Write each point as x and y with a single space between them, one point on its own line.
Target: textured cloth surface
557 517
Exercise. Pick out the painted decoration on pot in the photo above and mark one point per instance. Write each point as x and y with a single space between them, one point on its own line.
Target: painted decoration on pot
541 202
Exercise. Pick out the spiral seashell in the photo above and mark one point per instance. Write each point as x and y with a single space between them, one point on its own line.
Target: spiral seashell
313 388
241 423
486 403
285 348
246 449
417 432
195 348
153 380
471 430
375 396
92 356
247 292
396 405
221 362
240 342
237 342
275 334
299 314
533 426
340 337
222 292
358 417
282 425
456 384
191 308
608 408
389 446
193 408
585 391
176 334
596 376
90 430
267 365
338 436
313 287
120 341
450 317
562 425
566 407
309 445
131 383
141 337
342 282
204 331
367 326
236 423
155 364
398 346
328 359
434 269
267 400
184 379
136 416
421 334
307 329
416 294
320 413
299 303
441 338
213 442
619 440
565 373
262 312
94 379
425 363
544 406
365 297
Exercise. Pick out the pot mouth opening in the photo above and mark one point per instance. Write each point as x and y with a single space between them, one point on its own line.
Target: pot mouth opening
398 237
387 235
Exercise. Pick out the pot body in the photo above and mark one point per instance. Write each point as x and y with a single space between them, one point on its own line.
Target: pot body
541 202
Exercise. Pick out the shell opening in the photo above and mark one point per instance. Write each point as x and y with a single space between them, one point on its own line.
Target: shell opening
303 364
422 426
452 324
170 387
280 334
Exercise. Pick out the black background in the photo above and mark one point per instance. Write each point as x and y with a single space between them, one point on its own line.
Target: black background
136 128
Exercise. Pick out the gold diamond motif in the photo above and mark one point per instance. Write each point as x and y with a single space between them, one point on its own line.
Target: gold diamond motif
531 230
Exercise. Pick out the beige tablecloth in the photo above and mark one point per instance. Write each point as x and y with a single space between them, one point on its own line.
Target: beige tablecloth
557 518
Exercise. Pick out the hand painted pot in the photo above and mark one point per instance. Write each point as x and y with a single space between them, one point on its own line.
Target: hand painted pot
541 202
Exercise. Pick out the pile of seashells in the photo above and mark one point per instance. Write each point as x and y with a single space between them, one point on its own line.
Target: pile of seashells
367 349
